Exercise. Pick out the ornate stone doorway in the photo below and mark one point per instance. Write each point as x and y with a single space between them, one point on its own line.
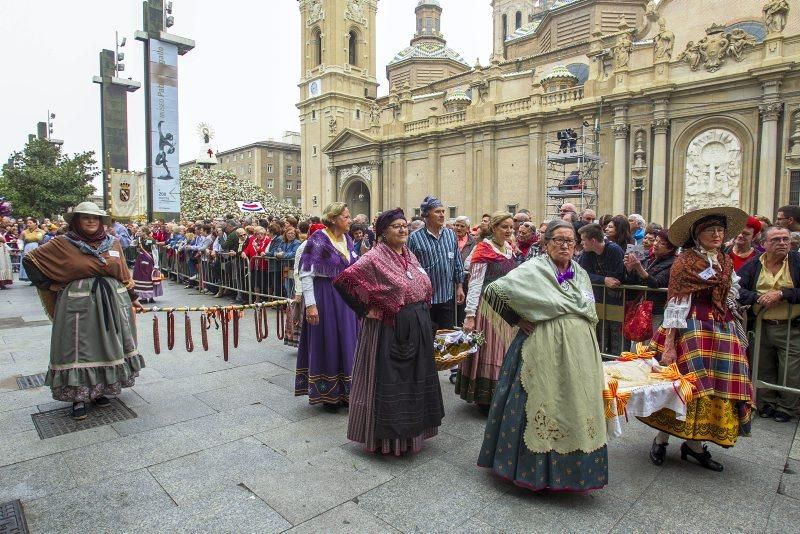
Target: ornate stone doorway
357 197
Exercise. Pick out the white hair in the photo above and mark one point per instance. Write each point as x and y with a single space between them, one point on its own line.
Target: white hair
464 219
638 218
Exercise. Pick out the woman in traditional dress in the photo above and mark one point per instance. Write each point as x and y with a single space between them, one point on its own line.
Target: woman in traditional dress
396 400
6 271
328 338
87 289
701 333
31 237
146 274
492 259
546 429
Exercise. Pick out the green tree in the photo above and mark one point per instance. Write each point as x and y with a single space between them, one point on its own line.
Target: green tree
40 181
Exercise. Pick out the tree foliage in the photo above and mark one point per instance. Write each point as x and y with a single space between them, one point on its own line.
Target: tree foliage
40 181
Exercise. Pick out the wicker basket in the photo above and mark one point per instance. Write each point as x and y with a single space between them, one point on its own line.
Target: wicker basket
448 361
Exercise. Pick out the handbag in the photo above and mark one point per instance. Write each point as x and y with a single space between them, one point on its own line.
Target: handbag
638 324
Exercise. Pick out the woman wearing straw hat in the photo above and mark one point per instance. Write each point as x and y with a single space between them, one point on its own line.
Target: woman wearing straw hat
702 335
86 287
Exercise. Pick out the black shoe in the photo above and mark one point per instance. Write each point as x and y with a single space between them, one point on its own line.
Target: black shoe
78 411
704 459
102 402
484 408
332 408
766 411
658 451
781 417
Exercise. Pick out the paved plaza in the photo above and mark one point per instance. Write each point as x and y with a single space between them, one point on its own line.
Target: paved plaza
226 447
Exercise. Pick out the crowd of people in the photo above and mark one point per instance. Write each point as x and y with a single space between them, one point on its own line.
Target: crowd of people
370 295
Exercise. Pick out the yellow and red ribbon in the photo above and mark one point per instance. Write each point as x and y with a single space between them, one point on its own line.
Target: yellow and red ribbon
684 384
641 354
613 394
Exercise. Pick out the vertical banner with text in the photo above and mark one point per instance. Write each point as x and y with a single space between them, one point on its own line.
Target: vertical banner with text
163 127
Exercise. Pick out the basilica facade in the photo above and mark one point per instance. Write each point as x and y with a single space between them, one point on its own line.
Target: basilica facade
676 104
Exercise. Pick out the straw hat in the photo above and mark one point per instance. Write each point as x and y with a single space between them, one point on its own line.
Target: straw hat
680 232
88 208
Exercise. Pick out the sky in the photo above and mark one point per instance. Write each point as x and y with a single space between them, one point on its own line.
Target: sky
241 77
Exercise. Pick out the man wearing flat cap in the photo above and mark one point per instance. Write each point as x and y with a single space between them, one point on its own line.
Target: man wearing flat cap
436 248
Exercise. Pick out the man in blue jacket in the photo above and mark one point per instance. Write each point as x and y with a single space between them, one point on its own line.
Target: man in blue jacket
771 284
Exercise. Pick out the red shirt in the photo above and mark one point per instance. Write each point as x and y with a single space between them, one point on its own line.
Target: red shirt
738 261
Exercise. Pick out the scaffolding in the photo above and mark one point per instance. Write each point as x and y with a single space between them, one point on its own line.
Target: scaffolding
573 171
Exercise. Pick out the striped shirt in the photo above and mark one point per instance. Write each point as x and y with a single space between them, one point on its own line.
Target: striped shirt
440 259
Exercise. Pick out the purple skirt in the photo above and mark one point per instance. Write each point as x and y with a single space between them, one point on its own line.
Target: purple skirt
144 269
326 351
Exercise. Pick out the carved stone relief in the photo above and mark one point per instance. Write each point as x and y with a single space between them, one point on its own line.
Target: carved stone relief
315 12
713 170
713 49
663 42
622 51
363 171
794 137
355 11
640 151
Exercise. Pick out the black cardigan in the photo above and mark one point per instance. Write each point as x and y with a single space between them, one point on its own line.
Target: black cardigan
750 271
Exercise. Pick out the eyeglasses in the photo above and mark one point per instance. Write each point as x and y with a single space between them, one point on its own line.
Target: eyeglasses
714 230
398 226
560 241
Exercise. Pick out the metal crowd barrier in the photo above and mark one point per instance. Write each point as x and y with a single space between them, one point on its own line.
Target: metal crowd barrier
756 356
610 306
254 279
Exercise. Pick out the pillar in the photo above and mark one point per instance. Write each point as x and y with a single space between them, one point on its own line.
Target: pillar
536 201
621 129
658 187
770 113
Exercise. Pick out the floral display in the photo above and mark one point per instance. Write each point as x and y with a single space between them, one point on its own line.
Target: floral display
209 193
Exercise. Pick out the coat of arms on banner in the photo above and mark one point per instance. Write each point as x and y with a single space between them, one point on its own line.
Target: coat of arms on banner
124 191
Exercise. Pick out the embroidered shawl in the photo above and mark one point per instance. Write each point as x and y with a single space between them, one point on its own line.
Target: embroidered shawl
322 258
484 252
684 279
378 282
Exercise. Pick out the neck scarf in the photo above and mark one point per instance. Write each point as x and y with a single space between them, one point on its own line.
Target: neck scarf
322 258
77 234
484 252
384 281
684 278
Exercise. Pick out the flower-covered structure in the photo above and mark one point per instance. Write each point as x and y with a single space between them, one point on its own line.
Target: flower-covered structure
209 193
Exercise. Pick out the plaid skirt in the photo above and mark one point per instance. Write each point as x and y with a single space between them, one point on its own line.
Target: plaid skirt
711 350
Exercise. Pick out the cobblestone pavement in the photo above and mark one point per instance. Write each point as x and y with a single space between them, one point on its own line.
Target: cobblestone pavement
227 447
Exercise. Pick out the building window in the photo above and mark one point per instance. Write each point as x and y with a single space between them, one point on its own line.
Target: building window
249 168
297 185
453 212
288 170
299 170
299 202
270 184
358 114
249 153
317 47
288 185
512 208
314 150
269 168
416 212
313 114
352 44
794 188
505 27
518 20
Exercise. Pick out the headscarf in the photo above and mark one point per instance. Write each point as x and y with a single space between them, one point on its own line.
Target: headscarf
314 227
386 218
75 232
429 204
755 224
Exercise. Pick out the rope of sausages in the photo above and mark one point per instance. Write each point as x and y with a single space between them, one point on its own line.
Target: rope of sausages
205 309
205 324
156 336
224 320
280 326
187 327
235 329
170 331
257 325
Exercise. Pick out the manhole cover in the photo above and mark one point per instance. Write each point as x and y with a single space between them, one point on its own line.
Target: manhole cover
31 381
57 422
12 520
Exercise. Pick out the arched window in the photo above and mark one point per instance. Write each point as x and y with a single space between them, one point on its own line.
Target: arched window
317 47
505 27
518 20
352 44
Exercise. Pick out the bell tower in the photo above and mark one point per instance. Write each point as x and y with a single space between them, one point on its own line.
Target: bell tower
337 85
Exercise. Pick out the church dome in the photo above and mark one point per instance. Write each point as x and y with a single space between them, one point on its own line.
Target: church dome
427 50
558 79
457 99
434 3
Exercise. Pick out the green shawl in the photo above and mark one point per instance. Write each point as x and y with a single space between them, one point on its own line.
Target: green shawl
561 369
